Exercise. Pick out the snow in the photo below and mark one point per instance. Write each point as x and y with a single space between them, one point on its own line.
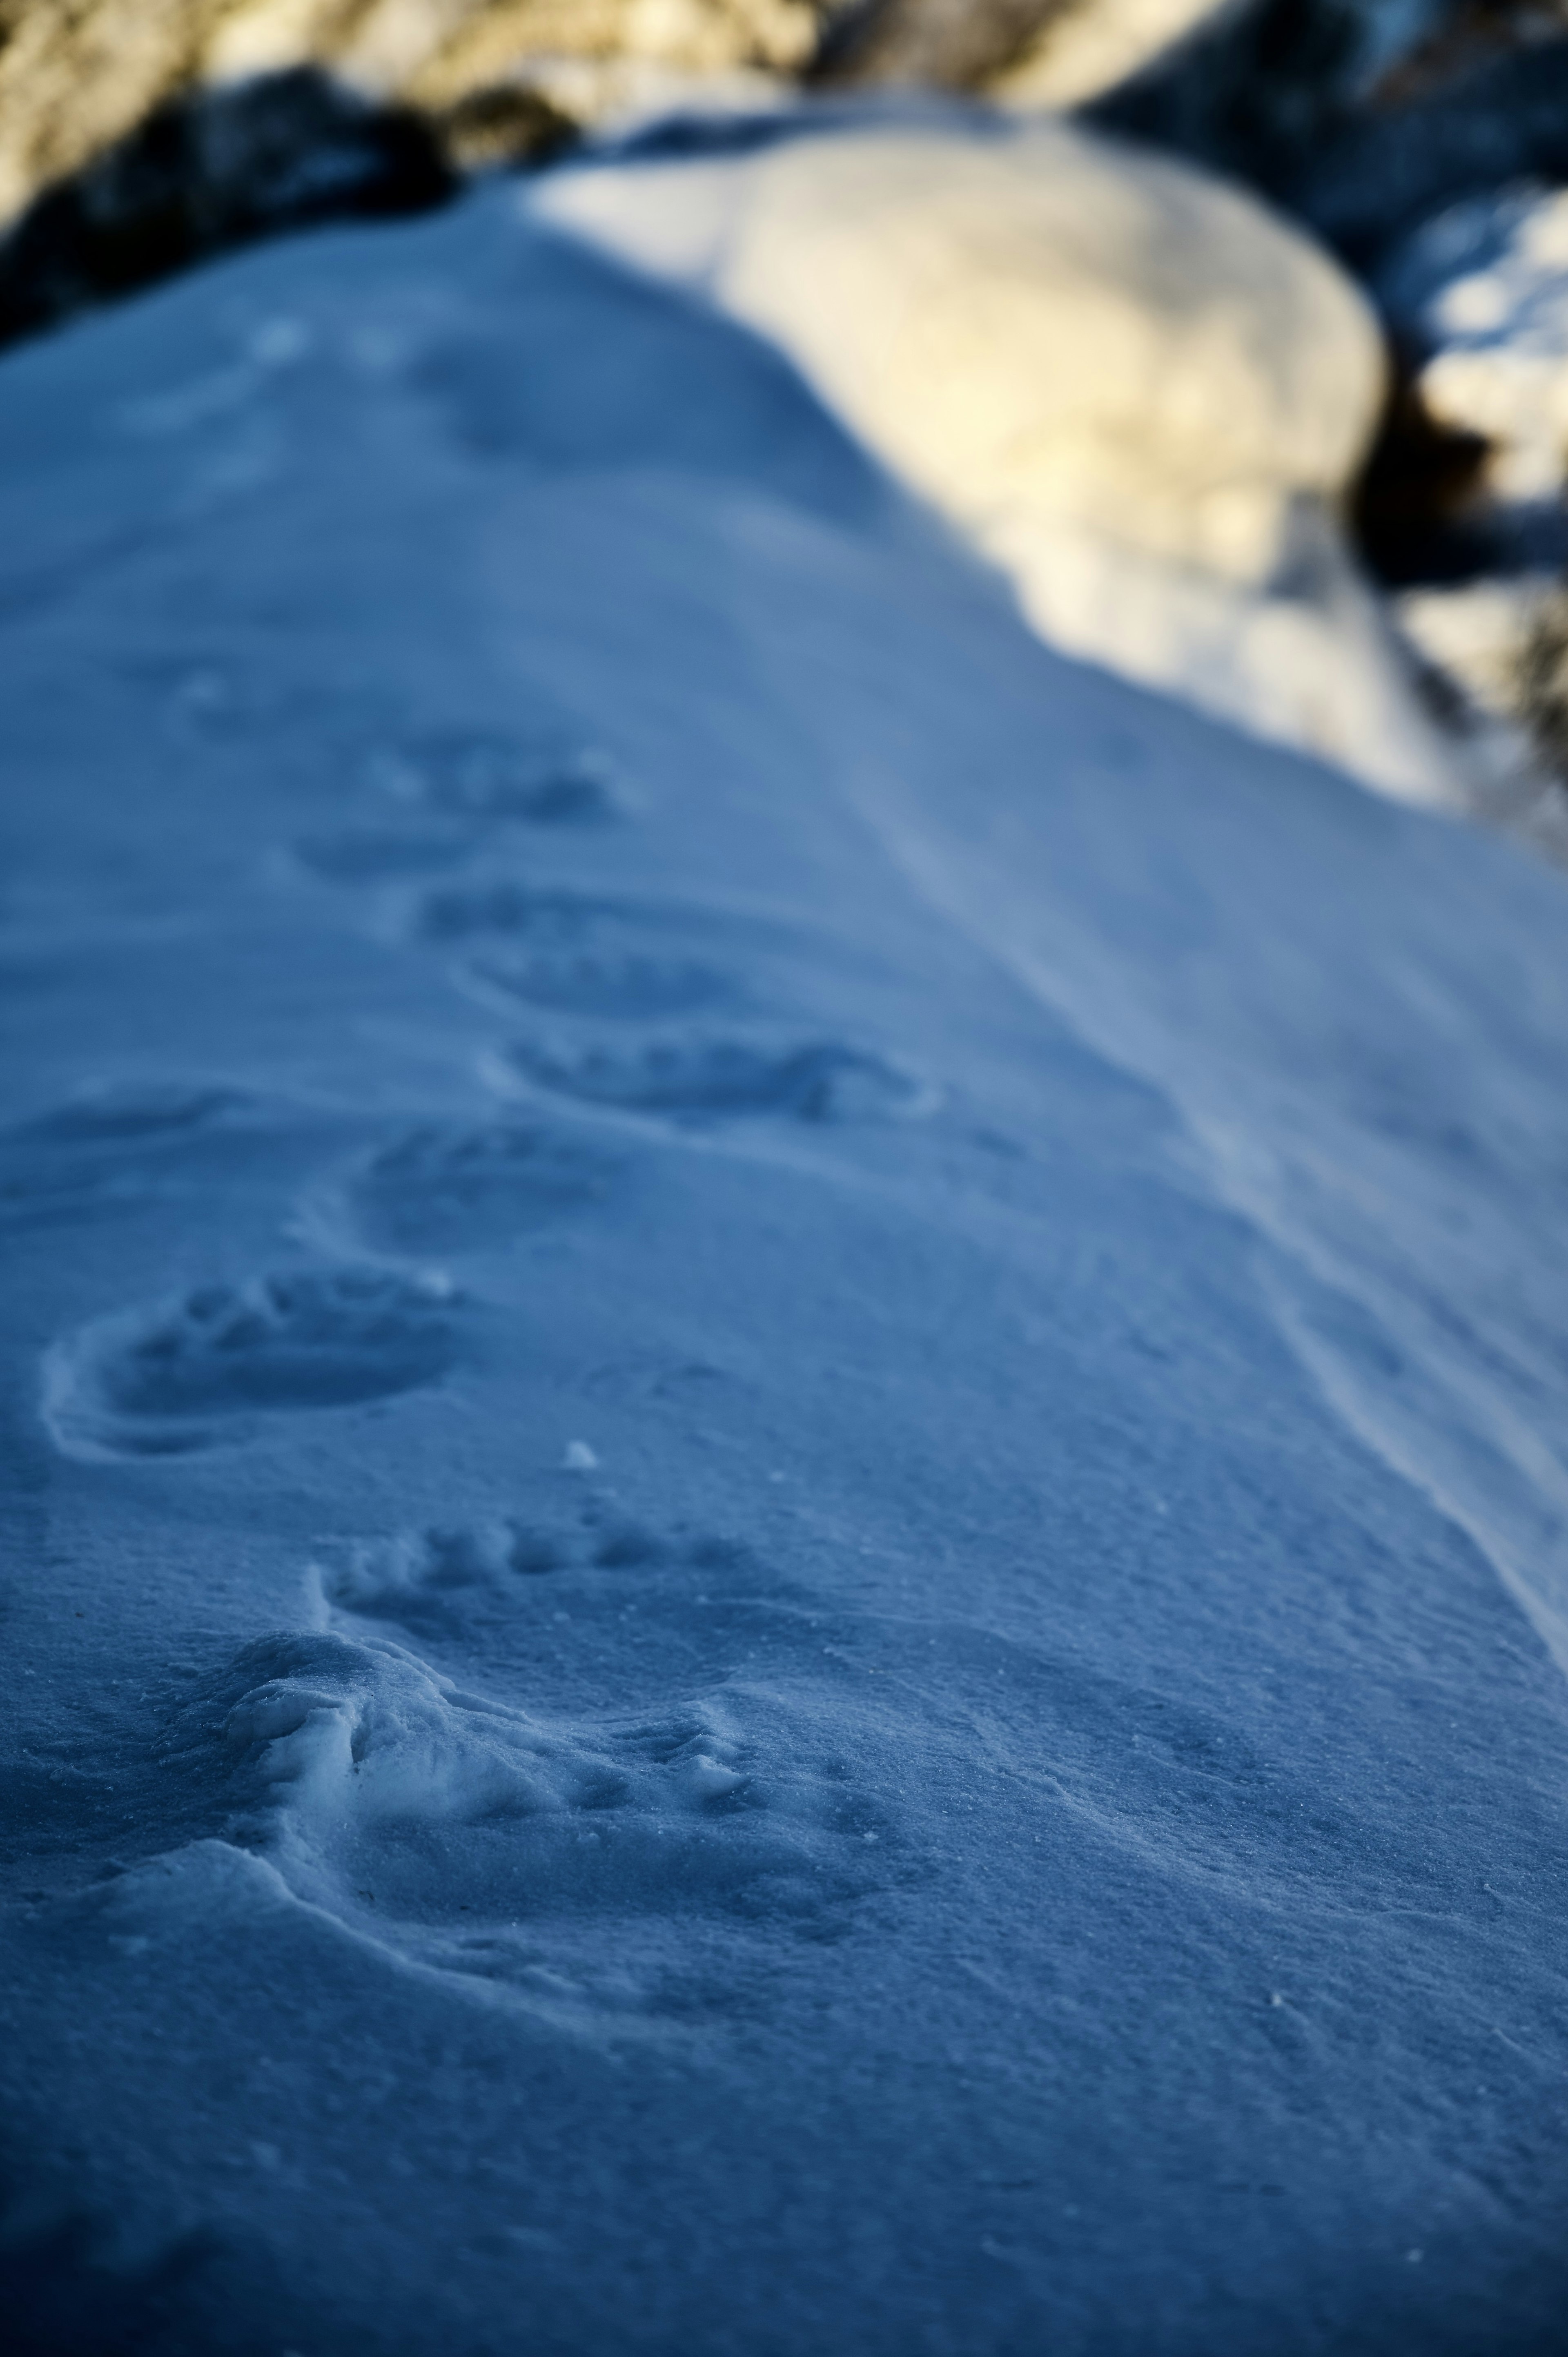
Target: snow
1481 292
1496 644
1129 385
784 1397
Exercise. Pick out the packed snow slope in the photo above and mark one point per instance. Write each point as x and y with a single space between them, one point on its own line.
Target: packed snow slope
784 1400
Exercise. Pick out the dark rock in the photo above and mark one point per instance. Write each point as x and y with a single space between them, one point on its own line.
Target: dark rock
208 171
1305 100
504 123
65 2292
1412 510
1253 91
1396 165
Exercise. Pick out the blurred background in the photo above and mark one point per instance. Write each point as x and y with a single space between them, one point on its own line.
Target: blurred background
1277 422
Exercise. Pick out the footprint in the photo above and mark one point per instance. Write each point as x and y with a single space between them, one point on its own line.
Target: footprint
610 986
724 1079
189 1374
582 1862
421 1575
374 855
558 918
427 1576
475 773
441 1190
549 917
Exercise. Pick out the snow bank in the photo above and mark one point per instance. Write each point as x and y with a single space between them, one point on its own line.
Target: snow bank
1135 390
783 1396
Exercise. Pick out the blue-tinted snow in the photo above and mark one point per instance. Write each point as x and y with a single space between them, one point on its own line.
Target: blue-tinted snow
784 1401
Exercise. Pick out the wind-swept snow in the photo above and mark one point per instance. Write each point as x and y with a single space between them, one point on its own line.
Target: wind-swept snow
784 1399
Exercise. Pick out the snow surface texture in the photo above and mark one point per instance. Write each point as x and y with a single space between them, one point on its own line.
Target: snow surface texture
1138 392
784 1400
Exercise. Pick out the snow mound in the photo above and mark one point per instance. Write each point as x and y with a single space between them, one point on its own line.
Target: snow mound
1140 393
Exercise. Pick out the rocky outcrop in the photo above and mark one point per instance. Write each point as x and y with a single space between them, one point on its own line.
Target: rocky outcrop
79 76
1241 83
133 140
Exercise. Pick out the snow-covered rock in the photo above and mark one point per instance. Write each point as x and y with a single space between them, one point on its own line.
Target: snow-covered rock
1478 299
1481 293
1135 390
1497 649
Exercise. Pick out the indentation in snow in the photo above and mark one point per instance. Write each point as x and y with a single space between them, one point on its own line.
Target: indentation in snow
469 1188
190 1374
476 1836
606 985
481 774
724 1079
